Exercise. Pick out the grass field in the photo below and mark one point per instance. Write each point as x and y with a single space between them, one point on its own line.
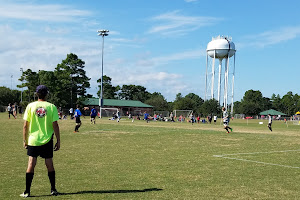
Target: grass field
159 160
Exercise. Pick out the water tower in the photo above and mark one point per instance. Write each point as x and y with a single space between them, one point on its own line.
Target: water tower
221 48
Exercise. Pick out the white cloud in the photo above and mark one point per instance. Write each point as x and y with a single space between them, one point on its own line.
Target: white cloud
191 54
172 23
50 12
271 37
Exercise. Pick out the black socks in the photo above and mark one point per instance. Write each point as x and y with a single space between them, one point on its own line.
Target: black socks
51 176
29 177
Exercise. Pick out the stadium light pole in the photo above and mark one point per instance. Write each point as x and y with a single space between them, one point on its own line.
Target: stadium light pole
11 78
102 33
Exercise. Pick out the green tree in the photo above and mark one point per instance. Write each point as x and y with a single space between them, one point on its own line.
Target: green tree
190 102
178 97
277 103
9 96
198 101
72 82
210 107
237 107
30 79
134 92
184 104
252 103
109 91
158 101
289 103
48 78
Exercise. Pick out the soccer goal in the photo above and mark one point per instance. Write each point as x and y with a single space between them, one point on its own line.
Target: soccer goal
239 116
183 113
162 113
296 120
108 112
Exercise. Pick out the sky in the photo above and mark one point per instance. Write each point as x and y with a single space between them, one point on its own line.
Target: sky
159 44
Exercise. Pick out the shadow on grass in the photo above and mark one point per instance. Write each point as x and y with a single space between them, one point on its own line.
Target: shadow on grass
105 192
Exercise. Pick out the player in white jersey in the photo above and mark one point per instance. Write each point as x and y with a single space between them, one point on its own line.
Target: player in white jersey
270 122
225 120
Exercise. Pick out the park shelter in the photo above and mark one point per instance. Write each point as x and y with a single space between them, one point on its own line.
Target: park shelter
125 106
271 112
297 113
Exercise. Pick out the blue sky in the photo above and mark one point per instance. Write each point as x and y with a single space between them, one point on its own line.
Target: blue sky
159 44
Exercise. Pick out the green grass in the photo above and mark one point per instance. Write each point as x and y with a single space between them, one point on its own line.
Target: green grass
158 160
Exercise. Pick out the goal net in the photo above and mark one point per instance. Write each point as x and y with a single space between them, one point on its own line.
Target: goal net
182 113
296 119
239 116
108 112
162 113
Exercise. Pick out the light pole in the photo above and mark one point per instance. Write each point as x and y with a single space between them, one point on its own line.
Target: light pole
21 69
11 77
102 33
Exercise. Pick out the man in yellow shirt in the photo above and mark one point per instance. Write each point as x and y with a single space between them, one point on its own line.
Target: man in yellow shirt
39 125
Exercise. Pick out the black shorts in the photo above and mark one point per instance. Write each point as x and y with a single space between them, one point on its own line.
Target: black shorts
78 120
93 117
45 151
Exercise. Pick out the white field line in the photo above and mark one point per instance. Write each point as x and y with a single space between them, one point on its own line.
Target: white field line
225 156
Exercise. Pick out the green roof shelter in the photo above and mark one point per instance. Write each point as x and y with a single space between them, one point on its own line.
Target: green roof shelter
271 112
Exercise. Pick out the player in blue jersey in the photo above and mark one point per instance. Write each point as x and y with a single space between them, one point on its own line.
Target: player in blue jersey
77 115
93 115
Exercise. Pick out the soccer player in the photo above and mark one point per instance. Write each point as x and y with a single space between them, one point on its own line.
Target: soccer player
225 120
146 116
270 122
71 113
118 115
215 119
77 115
93 115
10 111
39 125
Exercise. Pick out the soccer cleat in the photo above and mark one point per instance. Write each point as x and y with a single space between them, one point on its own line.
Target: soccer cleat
228 132
25 194
54 193
231 129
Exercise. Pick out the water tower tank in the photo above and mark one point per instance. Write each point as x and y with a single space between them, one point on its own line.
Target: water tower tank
220 47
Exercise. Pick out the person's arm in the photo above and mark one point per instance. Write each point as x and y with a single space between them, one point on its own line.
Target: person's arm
57 135
25 133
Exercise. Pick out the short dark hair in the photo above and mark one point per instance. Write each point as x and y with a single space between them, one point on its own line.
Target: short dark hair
41 91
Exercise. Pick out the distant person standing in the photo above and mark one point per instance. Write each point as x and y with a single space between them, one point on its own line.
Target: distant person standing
77 115
172 117
270 122
215 119
10 111
225 120
71 113
93 115
15 109
39 125
209 119
118 115
146 117
20 110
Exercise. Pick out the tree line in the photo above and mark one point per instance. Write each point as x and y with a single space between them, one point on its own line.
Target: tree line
253 103
68 86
